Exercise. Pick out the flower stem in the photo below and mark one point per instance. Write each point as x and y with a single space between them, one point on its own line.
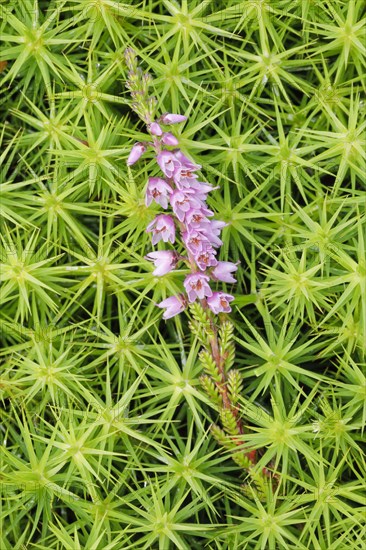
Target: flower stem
222 387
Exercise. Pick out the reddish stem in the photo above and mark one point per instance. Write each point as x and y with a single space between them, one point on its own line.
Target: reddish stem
220 363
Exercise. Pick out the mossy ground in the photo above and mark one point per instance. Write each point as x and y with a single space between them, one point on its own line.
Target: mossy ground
105 427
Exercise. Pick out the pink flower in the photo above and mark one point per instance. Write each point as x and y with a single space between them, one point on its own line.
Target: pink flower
158 190
170 118
173 305
199 189
196 285
206 257
196 219
168 162
184 176
222 272
194 241
137 150
164 261
188 164
169 139
211 237
181 203
217 225
195 191
162 228
219 302
155 129
212 232
185 180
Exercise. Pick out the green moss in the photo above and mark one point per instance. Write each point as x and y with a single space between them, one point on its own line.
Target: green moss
106 439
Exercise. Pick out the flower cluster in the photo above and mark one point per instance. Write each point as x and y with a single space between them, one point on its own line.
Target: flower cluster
180 191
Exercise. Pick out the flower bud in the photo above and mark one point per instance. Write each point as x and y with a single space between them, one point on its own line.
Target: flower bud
137 150
170 118
169 139
130 57
155 129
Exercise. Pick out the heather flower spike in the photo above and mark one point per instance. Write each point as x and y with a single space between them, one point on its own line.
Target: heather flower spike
179 189
189 220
